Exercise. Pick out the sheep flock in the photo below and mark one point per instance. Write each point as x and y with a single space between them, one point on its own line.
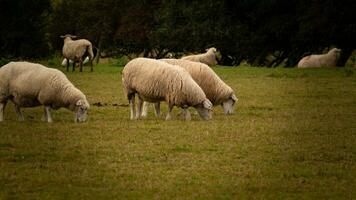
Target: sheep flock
183 83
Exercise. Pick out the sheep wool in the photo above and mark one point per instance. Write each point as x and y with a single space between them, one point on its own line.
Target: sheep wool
77 50
30 84
156 81
208 58
216 90
323 60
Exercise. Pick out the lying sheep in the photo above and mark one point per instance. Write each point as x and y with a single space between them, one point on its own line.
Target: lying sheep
29 85
323 60
214 88
208 58
77 50
156 81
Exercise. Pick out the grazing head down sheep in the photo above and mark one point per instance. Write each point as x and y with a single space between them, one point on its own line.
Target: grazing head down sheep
322 60
208 57
29 85
218 92
156 81
76 51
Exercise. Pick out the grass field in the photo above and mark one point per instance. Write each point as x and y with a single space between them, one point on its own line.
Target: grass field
292 136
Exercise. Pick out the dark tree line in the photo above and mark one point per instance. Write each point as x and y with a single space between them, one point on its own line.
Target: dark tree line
261 32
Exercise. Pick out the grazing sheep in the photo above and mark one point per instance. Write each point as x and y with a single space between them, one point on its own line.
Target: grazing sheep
77 50
29 85
208 58
322 60
214 88
156 81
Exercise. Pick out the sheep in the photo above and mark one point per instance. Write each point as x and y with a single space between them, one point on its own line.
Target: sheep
85 61
77 50
214 88
322 60
208 58
156 81
29 85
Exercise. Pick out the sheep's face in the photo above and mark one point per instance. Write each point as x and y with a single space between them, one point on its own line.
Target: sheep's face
205 109
82 107
336 52
228 105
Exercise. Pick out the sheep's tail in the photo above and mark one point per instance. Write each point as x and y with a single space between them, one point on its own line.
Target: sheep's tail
89 50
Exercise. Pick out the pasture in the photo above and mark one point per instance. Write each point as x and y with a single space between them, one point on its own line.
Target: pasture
292 136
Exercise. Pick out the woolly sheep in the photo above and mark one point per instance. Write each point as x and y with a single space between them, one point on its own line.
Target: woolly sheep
214 88
29 85
208 58
156 81
77 50
322 60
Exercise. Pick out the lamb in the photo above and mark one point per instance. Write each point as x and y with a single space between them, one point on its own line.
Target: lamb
208 58
77 50
322 60
30 85
156 81
214 88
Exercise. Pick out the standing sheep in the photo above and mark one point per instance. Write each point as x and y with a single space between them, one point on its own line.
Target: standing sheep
30 85
77 50
218 92
208 58
156 81
322 60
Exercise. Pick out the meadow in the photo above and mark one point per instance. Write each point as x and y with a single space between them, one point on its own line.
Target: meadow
292 136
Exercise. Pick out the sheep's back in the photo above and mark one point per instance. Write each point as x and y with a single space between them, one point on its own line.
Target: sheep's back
214 88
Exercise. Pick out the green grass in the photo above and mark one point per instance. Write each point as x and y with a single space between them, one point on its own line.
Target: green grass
292 137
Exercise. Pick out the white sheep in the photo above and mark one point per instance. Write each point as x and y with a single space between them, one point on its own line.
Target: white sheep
29 85
208 57
156 81
216 90
323 60
77 50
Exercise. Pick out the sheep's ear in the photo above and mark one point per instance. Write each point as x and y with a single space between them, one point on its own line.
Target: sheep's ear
73 36
207 104
62 36
233 97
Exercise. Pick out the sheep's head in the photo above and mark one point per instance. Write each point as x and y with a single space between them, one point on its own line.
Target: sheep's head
212 49
67 37
81 108
228 105
336 52
205 109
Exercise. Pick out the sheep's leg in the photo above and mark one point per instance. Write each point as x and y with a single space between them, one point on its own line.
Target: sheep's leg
157 109
139 108
145 109
67 64
19 113
48 113
91 65
44 116
2 110
186 114
169 116
132 106
80 65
